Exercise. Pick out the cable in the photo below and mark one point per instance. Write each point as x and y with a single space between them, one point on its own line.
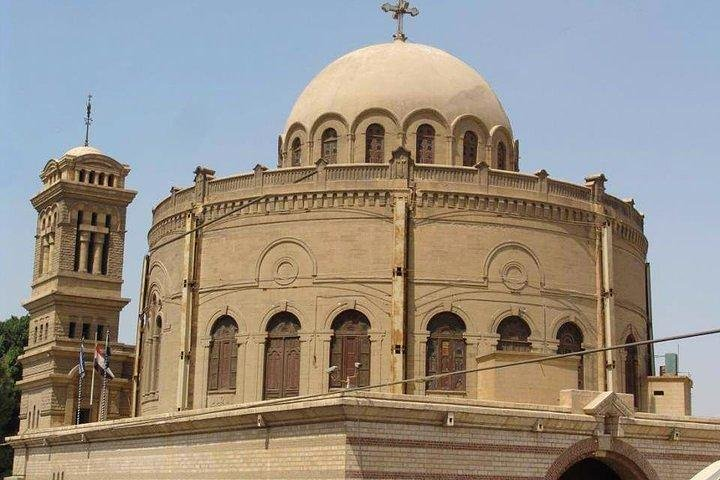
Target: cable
427 378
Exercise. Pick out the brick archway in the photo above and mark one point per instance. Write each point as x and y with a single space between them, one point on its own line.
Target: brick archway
629 463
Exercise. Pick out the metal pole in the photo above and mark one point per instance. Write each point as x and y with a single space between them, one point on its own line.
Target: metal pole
79 397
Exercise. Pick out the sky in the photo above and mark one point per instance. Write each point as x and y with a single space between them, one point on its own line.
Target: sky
626 88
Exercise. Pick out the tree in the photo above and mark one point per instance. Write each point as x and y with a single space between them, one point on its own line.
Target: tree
13 338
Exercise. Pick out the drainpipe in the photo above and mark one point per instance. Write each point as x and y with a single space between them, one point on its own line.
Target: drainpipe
139 336
608 304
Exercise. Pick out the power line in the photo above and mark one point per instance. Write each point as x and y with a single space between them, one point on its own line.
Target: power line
427 378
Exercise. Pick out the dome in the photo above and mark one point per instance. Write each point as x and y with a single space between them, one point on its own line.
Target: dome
400 77
83 150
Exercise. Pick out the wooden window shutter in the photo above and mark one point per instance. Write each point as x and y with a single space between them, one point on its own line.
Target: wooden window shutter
213 367
233 363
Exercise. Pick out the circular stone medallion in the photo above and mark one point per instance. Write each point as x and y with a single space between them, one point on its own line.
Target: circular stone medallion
286 271
514 276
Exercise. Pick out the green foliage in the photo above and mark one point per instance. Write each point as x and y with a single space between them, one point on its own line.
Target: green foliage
13 338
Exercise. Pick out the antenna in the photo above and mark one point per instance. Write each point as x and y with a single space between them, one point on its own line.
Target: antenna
88 119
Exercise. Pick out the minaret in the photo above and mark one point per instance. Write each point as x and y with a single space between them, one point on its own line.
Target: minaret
76 289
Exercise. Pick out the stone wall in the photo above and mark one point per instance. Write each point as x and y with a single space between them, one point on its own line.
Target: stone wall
370 436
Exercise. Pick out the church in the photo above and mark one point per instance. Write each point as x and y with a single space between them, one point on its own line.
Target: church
394 299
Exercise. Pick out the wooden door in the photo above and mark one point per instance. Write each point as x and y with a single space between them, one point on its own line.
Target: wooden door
282 367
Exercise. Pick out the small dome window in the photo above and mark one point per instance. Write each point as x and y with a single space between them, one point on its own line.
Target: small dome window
374 143
501 156
470 144
296 153
425 144
329 145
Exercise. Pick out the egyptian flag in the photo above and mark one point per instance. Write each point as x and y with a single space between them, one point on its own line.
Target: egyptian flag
102 361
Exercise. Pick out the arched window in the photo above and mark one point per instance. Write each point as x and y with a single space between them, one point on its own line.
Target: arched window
111 180
570 340
350 344
514 333
329 145
81 176
101 179
91 177
374 143
631 369
470 143
445 352
282 357
222 367
501 156
425 144
295 153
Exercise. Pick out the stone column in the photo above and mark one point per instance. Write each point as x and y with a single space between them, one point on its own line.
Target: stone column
204 360
186 312
305 363
399 294
97 253
254 383
471 385
376 358
84 240
242 341
323 340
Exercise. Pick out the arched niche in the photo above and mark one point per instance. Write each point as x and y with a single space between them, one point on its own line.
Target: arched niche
513 266
285 262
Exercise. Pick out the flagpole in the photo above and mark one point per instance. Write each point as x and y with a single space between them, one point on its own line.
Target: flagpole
81 374
92 381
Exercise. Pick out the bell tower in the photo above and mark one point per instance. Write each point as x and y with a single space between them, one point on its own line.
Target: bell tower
76 289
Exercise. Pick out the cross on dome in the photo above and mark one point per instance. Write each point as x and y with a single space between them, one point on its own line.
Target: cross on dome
399 10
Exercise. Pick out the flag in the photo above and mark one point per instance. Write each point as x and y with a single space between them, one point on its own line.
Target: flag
81 361
100 363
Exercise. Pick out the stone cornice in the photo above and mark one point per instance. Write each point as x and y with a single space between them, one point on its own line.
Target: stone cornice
378 407
64 299
437 186
82 191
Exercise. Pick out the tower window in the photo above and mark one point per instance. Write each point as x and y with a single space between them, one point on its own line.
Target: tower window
99 332
91 177
425 144
86 331
111 180
81 176
71 329
470 144
296 153
374 143
329 145
101 179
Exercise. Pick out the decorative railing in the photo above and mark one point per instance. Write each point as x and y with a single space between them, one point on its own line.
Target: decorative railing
231 184
498 186
514 180
357 171
569 190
